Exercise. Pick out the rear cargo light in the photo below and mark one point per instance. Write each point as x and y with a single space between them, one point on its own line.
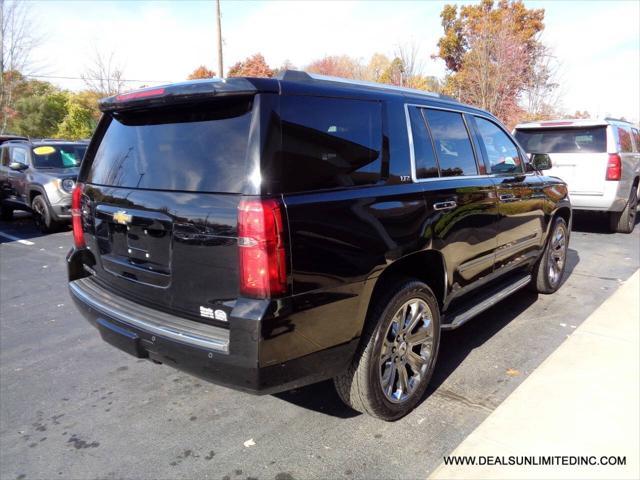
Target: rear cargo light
76 216
263 268
614 167
153 92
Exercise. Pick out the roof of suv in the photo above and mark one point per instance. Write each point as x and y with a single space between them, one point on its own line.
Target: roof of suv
572 122
289 82
44 141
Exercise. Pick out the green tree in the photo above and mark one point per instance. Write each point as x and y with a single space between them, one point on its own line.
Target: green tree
80 120
39 115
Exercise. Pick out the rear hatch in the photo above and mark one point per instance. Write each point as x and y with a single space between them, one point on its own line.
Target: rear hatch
161 192
578 154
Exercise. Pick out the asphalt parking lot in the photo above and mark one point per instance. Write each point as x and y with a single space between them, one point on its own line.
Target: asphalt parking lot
71 406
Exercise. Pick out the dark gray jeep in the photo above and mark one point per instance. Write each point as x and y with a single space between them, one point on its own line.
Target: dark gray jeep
38 177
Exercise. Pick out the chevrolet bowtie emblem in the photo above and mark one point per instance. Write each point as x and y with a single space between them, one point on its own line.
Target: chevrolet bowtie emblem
121 217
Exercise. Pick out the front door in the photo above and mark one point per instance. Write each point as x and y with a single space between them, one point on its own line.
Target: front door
520 198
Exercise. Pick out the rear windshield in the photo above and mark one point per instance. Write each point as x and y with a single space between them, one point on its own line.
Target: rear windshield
564 140
58 156
194 149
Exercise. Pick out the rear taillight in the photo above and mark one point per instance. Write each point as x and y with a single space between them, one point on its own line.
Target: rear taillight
263 267
614 167
76 216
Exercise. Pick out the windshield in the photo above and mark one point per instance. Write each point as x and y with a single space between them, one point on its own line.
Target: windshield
58 156
563 140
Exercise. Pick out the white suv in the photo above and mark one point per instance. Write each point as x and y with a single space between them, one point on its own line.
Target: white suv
599 160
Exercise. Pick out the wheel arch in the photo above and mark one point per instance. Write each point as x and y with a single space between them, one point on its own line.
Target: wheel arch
34 191
428 266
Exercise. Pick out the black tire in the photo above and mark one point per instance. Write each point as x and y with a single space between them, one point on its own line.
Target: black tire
545 278
625 221
42 215
361 386
6 213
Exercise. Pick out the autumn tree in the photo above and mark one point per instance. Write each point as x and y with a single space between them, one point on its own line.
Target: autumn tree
201 72
253 66
491 50
337 66
376 67
17 41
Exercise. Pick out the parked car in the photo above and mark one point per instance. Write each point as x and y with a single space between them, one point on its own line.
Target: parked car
599 160
5 137
38 177
265 234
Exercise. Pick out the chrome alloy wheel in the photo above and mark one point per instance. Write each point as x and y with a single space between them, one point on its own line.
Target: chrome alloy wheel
557 255
406 350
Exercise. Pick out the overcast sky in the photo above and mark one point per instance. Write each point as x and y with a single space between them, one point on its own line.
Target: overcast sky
597 43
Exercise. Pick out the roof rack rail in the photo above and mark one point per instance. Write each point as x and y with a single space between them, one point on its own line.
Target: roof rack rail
611 119
300 76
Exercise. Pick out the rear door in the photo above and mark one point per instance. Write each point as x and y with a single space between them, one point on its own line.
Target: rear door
162 187
578 154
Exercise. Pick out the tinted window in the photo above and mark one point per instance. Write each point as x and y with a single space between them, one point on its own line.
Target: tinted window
329 143
4 156
563 140
58 156
624 139
183 148
636 139
426 166
498 148
19 155
452 143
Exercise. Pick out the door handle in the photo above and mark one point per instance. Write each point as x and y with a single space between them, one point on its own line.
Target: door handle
508 197
448 205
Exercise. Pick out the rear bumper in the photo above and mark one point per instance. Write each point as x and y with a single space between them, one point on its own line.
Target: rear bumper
611 199
229 357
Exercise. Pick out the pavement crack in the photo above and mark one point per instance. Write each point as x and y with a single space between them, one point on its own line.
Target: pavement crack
449 395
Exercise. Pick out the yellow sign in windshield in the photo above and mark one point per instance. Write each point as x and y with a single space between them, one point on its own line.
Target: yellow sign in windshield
46 150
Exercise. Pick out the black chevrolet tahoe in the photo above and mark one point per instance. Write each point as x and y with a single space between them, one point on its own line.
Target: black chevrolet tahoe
265 234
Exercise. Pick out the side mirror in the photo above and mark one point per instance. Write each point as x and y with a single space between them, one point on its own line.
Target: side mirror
541 161
18 166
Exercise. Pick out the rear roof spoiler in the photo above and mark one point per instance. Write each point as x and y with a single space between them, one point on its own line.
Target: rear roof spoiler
186 92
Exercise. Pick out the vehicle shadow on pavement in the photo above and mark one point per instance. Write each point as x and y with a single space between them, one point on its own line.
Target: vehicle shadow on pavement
593 223
22 227
455 346
320 397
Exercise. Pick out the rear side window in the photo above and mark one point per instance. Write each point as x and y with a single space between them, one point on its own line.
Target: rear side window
425 157
498 148
452 143
329 143
636 139
183 148
624 140
563 140
4 156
